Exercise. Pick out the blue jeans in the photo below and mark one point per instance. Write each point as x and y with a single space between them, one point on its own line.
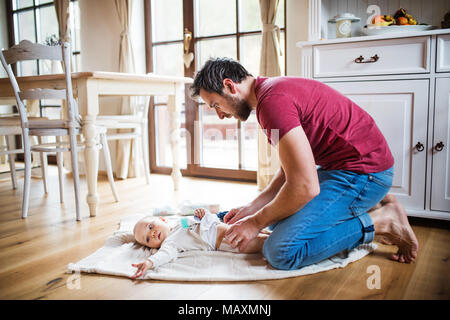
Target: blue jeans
334 221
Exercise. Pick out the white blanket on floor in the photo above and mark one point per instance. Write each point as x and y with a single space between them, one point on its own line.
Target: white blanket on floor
120 251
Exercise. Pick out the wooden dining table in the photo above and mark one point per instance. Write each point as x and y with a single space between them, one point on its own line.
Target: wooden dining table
88 87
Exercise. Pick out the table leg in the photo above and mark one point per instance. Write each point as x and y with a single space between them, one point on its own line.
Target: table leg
174 106
91 161
88 104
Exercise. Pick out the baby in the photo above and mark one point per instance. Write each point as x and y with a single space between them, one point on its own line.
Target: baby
204 231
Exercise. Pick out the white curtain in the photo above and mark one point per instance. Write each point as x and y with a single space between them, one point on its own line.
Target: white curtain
270 49
63 15
268 161
125 161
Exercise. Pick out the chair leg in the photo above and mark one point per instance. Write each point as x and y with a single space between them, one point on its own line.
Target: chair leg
109 171
44 164
145 153
76 178
27 178
12 162
135 146
59 161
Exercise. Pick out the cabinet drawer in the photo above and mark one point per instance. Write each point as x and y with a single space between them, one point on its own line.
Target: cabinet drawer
395 56
443 53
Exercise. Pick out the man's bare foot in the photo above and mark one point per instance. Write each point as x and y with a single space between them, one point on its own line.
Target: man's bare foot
383 240
390 222
386 199
377 206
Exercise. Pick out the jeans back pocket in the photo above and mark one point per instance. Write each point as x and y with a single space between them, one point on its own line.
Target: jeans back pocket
383 178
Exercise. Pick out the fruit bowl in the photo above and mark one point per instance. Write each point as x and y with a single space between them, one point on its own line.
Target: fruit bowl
401 21
372 30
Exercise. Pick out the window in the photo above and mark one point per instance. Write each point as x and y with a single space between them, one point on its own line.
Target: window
210 147
36 20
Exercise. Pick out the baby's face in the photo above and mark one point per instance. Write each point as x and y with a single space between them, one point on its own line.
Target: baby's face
151 231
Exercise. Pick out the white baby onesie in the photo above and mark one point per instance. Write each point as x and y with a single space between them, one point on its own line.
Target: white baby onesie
195 235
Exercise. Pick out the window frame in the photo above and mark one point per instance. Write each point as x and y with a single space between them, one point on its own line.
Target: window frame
192 109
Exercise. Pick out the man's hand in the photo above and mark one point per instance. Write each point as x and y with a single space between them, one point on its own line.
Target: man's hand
142 268
240 233
237 214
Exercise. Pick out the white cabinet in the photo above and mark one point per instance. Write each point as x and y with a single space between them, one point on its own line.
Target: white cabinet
440 188
409 100
400 110
372 57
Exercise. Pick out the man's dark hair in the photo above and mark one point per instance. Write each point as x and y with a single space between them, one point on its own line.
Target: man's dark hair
211 75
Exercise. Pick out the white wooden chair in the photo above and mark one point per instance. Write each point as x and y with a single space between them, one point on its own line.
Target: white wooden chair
10 131
10 126
138 123
70 126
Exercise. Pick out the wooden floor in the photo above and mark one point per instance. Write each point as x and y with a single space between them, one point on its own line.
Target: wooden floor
34 252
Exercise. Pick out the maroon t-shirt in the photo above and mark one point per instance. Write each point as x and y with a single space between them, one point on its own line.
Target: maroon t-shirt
342 135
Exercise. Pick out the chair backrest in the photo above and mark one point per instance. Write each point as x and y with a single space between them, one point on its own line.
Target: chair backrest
27 50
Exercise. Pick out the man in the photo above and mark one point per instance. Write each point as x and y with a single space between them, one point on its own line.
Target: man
313 213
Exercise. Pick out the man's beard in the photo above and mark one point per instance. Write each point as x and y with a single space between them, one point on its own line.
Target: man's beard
241 108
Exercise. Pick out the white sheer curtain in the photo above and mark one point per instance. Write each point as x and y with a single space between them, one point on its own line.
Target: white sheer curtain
63 15
268 161
270 49
125 161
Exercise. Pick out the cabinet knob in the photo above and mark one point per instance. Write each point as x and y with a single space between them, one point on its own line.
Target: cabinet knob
439 146
419 146
373 59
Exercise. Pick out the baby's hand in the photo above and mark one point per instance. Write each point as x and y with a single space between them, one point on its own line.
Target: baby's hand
199 212
142 268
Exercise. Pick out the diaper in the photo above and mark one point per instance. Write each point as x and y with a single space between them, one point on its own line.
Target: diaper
208 229
208 233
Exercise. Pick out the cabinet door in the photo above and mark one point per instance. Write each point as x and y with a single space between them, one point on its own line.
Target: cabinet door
400 110
440 183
